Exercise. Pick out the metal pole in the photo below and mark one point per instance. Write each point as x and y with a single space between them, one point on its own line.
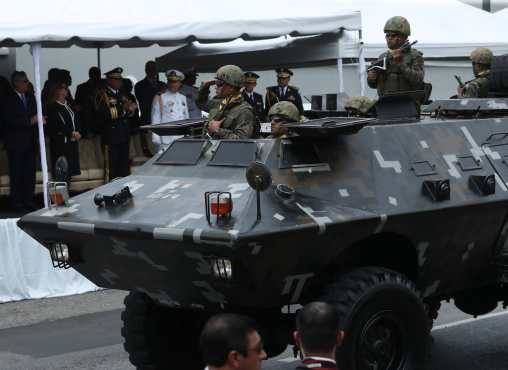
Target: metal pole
99 58
340 72
35 49
362 68
486 5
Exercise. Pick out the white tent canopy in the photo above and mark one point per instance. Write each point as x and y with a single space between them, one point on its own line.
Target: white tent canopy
142 23
100 23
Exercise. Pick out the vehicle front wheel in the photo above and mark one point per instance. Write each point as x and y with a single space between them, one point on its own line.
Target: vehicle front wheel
384 320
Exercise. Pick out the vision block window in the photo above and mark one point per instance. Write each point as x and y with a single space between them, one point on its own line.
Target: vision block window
294 154
235 153
183 152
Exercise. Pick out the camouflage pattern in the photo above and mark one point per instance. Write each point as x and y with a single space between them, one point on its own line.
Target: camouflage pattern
406 76
239 118
285 109
477 88
232 75
361 104
397 24
482 56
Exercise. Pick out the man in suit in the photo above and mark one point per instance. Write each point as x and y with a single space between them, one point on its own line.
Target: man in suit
283 91
20 129
254 99
85 94
145 91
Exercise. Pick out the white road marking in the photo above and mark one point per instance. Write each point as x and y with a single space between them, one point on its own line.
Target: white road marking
467 321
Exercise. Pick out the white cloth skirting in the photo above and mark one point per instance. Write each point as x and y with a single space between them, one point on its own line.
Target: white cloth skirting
26 270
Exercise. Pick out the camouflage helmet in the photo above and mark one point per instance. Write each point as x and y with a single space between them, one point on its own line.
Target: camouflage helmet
398 24
361 103
230 74
482 56
286 110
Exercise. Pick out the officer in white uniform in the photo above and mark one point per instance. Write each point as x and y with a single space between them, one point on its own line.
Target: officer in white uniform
169 106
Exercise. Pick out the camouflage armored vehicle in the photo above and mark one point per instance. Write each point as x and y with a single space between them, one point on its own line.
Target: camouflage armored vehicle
384 218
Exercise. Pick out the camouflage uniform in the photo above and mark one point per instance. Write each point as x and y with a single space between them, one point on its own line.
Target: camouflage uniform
479 87
239 118
288 112
359 105
405 76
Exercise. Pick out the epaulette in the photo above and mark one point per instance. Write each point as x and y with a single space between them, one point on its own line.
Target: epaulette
293 87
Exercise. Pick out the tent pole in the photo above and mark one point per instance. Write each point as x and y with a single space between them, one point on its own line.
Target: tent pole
362 67
99 58
340 74
35 49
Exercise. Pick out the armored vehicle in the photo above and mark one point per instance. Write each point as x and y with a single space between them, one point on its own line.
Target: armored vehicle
382 217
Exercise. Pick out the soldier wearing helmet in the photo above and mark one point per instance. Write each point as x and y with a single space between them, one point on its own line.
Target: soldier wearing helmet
229 115
404 67
280 113
479 87
359 106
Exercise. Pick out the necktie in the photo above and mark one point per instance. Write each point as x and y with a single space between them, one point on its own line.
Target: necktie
23 98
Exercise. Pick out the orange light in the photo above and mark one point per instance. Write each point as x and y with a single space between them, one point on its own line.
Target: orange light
57 198
222 206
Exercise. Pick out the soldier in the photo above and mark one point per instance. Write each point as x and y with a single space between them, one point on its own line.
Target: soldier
283 91
359 106
191 92
404 67
281 113
112 110
252 97
169 106
230 117
479 87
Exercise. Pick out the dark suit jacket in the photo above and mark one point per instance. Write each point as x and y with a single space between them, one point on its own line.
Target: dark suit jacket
19 133
145 92
257 104
292 95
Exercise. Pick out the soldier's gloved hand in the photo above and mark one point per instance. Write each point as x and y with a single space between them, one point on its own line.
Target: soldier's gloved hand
372 75
208 83
214 125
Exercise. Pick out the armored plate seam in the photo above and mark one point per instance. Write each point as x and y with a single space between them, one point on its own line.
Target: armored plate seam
83 228
397 167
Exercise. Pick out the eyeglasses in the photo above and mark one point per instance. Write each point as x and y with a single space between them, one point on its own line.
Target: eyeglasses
278 120
392 35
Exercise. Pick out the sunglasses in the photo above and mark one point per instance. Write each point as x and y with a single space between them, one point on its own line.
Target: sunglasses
278 120
392 35
219 83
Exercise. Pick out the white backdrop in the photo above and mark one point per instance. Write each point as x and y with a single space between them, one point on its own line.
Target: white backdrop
26 270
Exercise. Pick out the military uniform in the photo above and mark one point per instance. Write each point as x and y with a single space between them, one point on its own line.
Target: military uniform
112 120
404 76
275 94
479 87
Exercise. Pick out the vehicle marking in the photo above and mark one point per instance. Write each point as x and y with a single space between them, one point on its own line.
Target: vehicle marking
109 276
311 169
382 222
188 216
233 233
469 248
165 190
393 201
256 248
492 104
133 185
422 250
450 160
476 151
119 248
174 196
467 321
424 144
186 186
237 189
497 120
203 266
77 227
210 293
61 211
344 193
167 233
196 236
431 289
500 182
492 154
279 217
300 282
387 164
321 221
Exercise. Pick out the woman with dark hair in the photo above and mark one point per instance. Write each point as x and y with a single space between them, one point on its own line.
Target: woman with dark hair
63 129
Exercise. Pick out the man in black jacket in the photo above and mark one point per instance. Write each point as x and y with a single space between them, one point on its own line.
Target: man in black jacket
20 130
85 95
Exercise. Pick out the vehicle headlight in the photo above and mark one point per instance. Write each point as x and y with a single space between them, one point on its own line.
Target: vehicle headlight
60 256
222 268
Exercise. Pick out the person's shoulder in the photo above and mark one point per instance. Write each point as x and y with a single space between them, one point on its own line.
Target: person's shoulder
415 53
258 94
272 88
293 88
141 82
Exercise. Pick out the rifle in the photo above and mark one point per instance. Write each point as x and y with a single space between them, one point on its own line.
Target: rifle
383 63
459 80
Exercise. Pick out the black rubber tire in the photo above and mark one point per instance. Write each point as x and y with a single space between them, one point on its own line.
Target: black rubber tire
160 338
372 296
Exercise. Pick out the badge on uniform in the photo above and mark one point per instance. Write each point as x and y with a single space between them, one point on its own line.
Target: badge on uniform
291 97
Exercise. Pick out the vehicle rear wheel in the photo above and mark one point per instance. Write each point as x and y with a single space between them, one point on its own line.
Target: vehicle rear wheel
160 338
384 320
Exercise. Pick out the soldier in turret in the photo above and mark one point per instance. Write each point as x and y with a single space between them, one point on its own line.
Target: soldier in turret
281 113
479 87
404 64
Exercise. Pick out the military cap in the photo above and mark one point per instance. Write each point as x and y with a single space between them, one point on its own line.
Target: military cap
398 24
482 56
283 72
174 75
115 73
360 103
251 77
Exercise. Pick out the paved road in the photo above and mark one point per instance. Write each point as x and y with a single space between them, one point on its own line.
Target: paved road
83 332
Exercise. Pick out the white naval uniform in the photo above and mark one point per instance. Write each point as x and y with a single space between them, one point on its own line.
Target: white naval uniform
168 107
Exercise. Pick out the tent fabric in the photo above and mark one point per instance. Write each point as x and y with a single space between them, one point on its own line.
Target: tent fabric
26 270
99 23
443 28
